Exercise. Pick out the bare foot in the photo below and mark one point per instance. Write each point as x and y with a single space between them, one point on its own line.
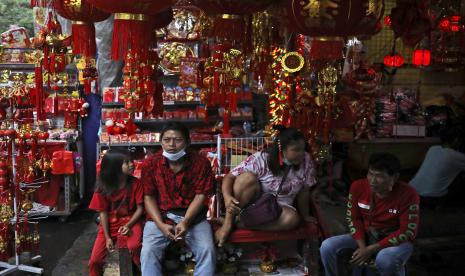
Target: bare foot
221 235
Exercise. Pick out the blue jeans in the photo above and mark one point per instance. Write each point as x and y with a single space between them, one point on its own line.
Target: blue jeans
389 261
199 238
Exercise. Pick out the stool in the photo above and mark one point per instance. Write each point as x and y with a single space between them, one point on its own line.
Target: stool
125 260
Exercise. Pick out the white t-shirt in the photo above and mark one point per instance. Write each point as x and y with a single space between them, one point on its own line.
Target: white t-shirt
439 168
257 163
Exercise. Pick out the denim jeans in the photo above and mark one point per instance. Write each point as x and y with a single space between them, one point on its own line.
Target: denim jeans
389 261
199 238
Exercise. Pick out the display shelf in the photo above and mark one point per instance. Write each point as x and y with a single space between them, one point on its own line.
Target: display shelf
152 144
181 40
210 119
405 140
17 66
174 103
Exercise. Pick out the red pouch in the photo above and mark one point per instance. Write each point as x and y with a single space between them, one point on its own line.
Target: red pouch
62 162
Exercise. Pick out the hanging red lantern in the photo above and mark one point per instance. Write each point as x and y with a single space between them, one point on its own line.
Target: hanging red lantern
444 24
83 15
133 25
451 24
421 57
394 60
332 18
387 21
229 22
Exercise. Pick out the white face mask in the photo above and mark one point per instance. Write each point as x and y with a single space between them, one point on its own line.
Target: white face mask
174 156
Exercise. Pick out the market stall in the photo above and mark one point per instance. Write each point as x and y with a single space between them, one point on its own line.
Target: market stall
357 75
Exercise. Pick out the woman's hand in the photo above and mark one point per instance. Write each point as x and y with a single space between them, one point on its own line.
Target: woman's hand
110 245
232 205
124 230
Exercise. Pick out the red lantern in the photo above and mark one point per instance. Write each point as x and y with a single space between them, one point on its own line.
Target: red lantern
387 21
83 15
450 24
332 18
133 24
421 57
229 21
394 60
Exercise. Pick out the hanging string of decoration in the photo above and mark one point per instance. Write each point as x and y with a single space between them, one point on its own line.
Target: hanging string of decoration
284 67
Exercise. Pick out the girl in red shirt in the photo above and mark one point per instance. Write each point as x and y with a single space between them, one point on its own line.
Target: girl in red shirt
118 198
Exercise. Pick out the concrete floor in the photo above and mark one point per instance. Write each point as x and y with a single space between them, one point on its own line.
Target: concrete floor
66 247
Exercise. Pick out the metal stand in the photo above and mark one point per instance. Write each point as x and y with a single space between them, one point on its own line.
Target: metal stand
17 266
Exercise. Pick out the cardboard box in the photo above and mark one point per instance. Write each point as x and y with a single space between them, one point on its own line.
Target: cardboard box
409 130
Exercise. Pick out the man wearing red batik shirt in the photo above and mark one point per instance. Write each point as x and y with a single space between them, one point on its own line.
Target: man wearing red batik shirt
383 216
177 183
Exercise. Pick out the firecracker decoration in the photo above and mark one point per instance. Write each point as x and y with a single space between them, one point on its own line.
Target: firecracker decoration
224 76
327 80
365 116
262 41
364 81
284 66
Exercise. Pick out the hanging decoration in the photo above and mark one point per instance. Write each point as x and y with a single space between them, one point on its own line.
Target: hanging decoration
411 21
331 18
230 22
171 55
134 20
364 82
451 23
284 67
223 79
263 38
184 25
421 57
83 16
393 60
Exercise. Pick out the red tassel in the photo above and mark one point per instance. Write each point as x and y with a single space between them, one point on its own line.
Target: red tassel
216 88
52 63
39 92
280 158
226 121
131 34
326 50
233 101
83 38
55 104
87 87
222 97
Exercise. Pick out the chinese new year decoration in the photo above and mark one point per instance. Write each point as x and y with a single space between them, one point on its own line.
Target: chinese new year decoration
83 16
421 58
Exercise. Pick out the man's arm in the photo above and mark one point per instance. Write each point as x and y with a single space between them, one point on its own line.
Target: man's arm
408 224
151 207
354 217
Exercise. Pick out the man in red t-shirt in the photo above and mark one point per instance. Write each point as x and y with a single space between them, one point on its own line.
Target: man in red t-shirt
177 183
383 216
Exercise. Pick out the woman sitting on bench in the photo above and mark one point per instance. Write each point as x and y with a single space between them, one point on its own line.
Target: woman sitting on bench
285 169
